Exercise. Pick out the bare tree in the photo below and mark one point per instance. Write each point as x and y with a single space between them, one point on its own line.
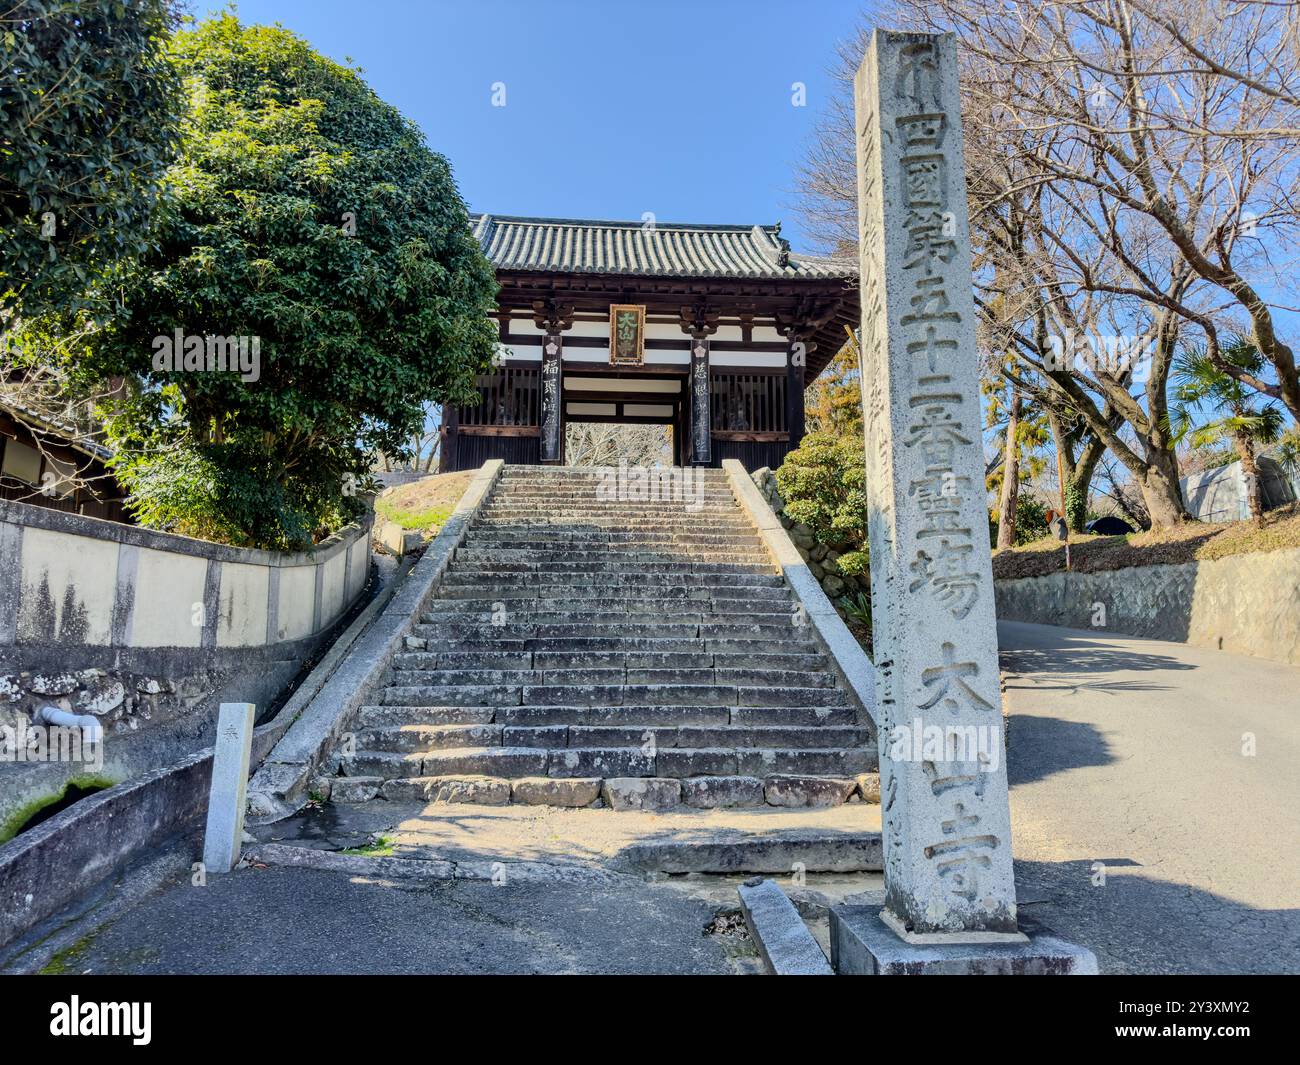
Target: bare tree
35 391
1124 160
600 444
1176 121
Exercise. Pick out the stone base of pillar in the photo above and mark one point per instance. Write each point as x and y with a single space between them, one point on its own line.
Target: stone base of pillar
864 945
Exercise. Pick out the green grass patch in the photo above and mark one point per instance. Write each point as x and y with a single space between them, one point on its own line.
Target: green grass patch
379 847
1192 541
419 519
20 818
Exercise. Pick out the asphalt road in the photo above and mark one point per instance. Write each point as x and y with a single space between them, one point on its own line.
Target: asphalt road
304 921
1136 754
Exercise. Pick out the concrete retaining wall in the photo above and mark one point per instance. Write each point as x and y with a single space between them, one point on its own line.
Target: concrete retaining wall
50 865
148 632
1247 604
85 582
280 786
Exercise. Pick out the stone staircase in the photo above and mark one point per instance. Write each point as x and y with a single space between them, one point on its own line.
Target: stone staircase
583 649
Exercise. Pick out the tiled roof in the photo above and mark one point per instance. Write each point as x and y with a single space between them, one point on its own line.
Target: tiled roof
664 249
69 434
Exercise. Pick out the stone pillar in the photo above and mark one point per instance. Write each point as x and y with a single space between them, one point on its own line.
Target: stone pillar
223 839
701 445
947 830
552 443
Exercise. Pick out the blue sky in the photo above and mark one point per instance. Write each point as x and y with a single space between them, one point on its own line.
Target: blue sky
678 107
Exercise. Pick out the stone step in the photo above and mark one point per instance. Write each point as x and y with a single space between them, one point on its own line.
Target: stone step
513 621
581 506
681 626
610 695
605 762
373 715
628 714
697 578
627 608
533 589
438 641
474 556
656 492
530 660
676 521
610 675
659 794
409 738
614 537
532 618
463 565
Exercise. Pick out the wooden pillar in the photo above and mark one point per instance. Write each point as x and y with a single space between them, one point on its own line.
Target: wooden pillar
698 322
796 365
552 443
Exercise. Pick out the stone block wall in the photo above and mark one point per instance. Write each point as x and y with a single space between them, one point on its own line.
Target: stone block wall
1247 604
820 558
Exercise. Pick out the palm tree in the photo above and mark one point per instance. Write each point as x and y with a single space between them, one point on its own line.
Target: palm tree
1210 408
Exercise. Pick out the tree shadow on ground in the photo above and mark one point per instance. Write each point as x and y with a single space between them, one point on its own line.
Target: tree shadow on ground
1137 923
1078 656
1038 747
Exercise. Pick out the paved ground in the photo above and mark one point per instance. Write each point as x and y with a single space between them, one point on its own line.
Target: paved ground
1126 759
305 921
1129 752
518 833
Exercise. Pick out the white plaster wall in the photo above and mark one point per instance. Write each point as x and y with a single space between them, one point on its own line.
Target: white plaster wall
64 586
772 359
297 602
332 590
168 587
88 567
359 555
242 622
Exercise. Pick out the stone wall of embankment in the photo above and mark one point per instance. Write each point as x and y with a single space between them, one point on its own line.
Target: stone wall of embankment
1248 604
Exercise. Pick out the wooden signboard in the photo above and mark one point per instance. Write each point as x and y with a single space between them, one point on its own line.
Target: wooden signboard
626 334
552 426
701 427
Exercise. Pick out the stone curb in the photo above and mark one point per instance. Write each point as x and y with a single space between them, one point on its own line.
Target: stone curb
502 873
278 786
855 668
786 945
775 852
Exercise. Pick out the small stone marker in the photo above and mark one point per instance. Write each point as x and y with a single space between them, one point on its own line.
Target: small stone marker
225 830
943 779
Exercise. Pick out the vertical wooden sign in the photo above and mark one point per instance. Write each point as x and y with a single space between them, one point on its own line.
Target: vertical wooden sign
552 397
701 427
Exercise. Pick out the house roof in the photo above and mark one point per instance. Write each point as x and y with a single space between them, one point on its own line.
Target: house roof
659 249
69 434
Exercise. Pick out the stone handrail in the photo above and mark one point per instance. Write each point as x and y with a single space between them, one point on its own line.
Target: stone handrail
849 657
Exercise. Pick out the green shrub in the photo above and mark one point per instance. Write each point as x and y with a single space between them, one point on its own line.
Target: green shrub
1031 521
823 484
